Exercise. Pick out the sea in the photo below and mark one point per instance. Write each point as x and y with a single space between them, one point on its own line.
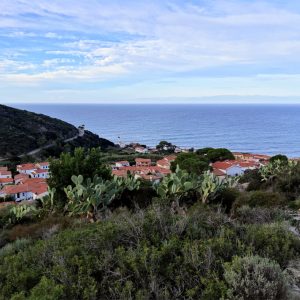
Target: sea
266 129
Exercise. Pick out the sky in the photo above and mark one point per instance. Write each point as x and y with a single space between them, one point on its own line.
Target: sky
123 51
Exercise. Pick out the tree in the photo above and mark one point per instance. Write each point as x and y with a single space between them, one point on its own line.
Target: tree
219 154
166 147
279 157
204 151
87 163
191 162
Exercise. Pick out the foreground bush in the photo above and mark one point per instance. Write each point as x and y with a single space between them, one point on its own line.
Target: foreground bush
150 254
260 198
256 278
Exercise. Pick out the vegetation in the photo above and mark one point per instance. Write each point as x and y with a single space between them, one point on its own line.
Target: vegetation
199 161
22 131
217 154
191 236
165 147
191 162
254 277
81 162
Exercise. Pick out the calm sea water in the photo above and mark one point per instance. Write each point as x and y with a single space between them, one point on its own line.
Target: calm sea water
268 129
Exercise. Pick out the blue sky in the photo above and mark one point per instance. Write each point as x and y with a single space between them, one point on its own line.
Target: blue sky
149 51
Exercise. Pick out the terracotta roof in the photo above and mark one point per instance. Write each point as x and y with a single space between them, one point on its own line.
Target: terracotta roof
141 170
119 172
3 169
31 181
44 163
26 167
170 157
143 160
163 162
39 188
6 180
15 189
5 173
21 176
218 172
224 165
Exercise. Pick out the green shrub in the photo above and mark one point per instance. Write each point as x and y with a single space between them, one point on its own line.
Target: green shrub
227 197
260 215
274 241
254 277
259 198
15 247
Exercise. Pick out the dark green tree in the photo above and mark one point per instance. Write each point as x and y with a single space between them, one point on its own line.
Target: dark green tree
219 154
86 163
166 147
280 157
191 162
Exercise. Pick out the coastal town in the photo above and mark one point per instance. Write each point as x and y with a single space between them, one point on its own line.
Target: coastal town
30 181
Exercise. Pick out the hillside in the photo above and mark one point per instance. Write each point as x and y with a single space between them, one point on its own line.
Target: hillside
23 131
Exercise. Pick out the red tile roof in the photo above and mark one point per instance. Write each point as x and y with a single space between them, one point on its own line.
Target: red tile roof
39 171
224 165
6 180
163 162
44 163
21 176
170 157
26 167
218 172
146 160
15 189
5 172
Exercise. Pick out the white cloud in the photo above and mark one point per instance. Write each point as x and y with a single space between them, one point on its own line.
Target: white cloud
145 39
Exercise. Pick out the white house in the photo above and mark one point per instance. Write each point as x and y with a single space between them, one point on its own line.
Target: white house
5 174
5 181
26 168
17 192
141 150
43 165
39 173
229 168
123 163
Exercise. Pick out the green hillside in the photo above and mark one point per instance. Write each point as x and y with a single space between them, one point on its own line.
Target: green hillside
23 131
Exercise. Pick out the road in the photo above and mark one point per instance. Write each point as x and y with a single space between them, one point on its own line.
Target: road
35 151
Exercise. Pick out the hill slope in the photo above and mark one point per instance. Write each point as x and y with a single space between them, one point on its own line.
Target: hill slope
22 131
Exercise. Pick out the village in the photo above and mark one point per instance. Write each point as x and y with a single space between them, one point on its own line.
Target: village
30 182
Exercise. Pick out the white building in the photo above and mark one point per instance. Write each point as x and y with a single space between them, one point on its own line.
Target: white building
39 173
5 174
26 169
17 192
123 163
141 150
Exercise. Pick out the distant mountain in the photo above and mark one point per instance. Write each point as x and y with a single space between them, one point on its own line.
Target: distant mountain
22 131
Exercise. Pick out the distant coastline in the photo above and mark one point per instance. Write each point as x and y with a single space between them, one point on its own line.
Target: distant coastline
263 128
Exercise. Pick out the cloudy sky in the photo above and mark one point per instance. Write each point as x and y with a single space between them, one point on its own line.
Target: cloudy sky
141 51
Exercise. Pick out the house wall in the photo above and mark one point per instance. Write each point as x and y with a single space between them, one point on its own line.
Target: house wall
5 176
23 196
234 170
28 172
